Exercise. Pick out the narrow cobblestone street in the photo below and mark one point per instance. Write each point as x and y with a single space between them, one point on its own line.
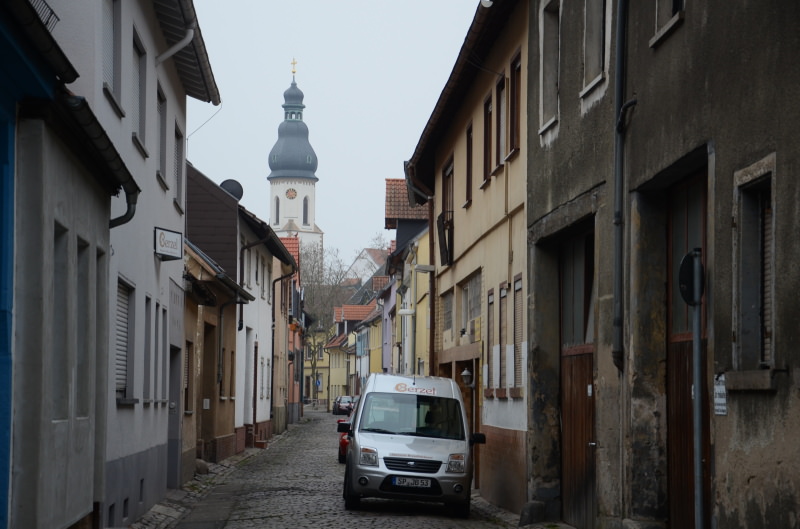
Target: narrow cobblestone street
297 482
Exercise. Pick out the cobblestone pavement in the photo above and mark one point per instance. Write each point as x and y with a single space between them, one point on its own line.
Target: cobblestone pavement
297 482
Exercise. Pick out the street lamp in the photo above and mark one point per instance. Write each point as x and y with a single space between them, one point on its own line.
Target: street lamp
466 376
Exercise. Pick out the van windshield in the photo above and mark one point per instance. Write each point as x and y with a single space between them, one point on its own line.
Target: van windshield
408 414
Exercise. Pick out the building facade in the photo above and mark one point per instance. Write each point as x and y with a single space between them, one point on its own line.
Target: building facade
471 163
662 142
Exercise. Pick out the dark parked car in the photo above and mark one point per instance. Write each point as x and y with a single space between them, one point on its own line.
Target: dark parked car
343 405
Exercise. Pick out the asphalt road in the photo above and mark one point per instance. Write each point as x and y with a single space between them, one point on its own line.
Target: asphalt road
297 482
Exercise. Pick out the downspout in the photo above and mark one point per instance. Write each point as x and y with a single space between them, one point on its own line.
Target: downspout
408 168
178 46
100 140
617 350
272 371
433 367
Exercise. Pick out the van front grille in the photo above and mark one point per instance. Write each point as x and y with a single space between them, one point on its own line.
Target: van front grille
422 466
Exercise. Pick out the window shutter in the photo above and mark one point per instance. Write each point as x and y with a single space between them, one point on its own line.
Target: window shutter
121 357
518 333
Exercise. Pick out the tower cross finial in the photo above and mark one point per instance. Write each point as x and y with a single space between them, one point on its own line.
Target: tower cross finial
294 63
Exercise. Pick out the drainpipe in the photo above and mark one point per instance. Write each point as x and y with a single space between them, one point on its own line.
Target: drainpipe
84 116
617 351
178 46
272 371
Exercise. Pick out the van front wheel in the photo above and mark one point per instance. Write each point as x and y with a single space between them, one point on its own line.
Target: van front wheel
351 500
460 509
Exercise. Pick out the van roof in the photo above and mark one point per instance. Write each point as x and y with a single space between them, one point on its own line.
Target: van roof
423 385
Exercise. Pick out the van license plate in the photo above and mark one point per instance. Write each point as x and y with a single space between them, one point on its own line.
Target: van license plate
420 483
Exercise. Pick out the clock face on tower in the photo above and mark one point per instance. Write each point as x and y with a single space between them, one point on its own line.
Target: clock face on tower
291 193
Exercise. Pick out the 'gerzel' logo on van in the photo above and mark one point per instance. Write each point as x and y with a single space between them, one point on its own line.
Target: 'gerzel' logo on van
405 388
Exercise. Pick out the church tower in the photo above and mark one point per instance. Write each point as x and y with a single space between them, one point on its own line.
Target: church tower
293 164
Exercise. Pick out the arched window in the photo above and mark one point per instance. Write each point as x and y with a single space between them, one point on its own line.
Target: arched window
277 210
305 211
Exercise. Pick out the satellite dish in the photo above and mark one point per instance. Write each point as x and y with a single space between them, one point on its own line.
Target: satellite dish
487 3
233 188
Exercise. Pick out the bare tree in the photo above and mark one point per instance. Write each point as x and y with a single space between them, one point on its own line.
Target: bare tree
324 287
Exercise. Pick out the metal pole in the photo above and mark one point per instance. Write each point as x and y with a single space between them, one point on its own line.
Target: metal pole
697 404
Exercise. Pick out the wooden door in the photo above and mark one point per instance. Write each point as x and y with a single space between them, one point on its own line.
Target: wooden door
687 227
576 270
578 448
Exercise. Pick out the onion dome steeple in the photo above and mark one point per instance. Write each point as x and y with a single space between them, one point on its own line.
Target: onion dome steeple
292 156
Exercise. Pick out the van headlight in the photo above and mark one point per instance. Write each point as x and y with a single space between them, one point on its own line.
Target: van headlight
368 457
457 463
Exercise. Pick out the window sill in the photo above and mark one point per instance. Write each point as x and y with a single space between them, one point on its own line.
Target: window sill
515 393
752 380
549 124
178 206
161 181
591 85
485 183
188 412
667 29
126 403
488 393
467 204
501 393
109 93
497 169
139 144
511 155
147 402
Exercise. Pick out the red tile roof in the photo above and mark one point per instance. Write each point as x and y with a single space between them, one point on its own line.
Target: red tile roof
353 312
397 206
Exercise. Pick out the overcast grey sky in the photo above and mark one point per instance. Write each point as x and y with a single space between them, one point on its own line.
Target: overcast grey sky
371 72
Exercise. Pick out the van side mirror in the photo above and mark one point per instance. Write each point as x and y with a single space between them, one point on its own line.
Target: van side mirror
477 438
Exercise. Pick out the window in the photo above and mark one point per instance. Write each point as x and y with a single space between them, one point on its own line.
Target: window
576 269
447 311
669 15
490 338
470 300
188 370
503 338
305 211
277 210
157 353
500 117
232 376
139 95
548 105
754 249
112 55
487 140
518 328
123 341
445 221
85 316
161 108
59 348
148 350
178 167
468 174
594 41
515 103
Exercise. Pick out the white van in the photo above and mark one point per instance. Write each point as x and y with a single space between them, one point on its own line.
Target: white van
409 439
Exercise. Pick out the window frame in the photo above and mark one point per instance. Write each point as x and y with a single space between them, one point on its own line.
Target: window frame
750 184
